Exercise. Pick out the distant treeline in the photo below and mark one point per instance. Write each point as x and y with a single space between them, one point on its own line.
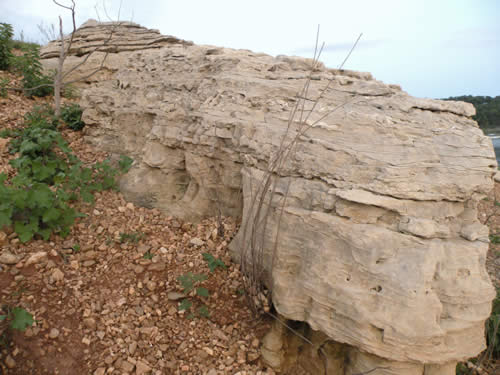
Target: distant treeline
487 109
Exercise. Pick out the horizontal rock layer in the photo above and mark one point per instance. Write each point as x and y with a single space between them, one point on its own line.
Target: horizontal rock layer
379 245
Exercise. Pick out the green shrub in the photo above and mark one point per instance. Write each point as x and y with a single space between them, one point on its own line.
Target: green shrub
35 82
71 114
6 33
49 177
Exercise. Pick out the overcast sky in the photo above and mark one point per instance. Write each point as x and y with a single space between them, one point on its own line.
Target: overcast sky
432 48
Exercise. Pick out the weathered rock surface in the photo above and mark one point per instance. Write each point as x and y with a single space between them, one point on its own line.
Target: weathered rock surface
379 245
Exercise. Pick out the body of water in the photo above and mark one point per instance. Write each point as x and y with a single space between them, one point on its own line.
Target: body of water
494 134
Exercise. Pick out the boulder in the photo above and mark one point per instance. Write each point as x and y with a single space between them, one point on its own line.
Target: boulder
371 233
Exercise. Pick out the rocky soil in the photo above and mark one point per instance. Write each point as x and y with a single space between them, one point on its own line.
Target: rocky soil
106 298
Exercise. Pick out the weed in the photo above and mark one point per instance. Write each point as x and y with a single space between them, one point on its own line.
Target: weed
76 248
49 177
494 239
3 87
17 318
134 237
35 82
191 282
213 262
147 255
71 114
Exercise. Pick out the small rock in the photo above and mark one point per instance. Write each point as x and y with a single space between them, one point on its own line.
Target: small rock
54 333
252 357
3 238
9 258
172 311
100 371
9 362
138 269
196 242
175 296
209 351
143 248
130 205
151 285
36 258
90 323
157 267
88 263
57 275
86 341
132 347
141 368
127 366
255 343
3 145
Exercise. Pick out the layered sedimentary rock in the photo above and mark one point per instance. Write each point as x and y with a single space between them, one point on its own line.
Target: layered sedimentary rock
379 246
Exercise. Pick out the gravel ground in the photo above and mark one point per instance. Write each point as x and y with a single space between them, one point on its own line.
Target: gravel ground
105 298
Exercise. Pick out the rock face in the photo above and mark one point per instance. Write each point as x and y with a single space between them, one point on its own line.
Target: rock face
379 246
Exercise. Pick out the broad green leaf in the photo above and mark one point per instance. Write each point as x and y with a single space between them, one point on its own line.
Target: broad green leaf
26 231
203 311
185 305
86 196
202 292
51 214
5 217
21 319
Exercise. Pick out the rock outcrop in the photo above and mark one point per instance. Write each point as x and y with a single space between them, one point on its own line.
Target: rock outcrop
379 245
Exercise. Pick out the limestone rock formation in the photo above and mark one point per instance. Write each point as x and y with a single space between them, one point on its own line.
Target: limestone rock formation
379 246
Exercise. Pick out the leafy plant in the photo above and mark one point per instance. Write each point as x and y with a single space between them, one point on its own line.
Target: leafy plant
35 82
71 114
190 282
49 177
134 237
3 87
125 163
18 318
6 33
213 262
494 239
462 369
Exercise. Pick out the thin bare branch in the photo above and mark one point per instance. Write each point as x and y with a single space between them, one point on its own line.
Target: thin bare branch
352 49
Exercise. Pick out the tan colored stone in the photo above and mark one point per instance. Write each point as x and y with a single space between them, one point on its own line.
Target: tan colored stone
141 368
3 238
379 247
3 145
7 257
36 258
57 275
